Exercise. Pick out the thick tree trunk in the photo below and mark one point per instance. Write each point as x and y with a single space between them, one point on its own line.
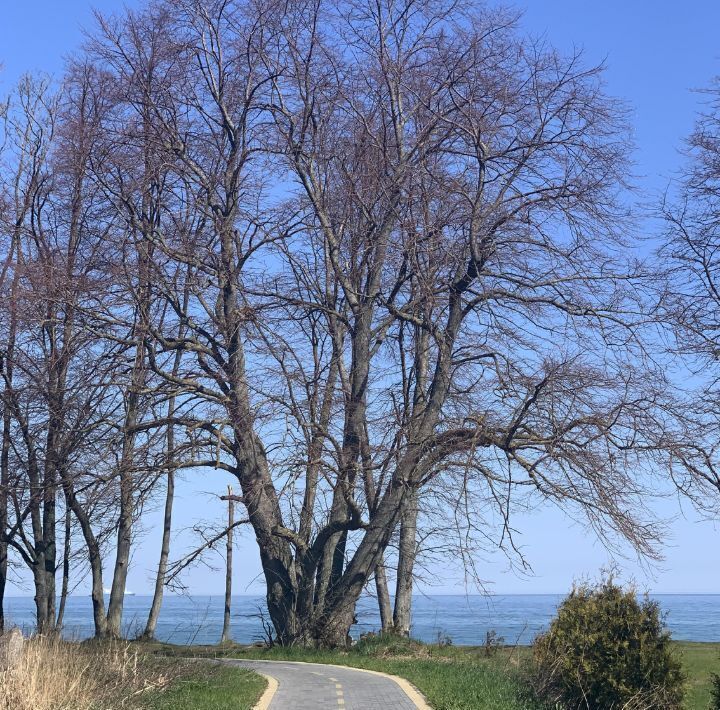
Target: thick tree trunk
332 563
258 490
97 593
225 636
406 562
38 552
40 598
263 509
340 606
306 578
36 559
56 387
333 555
275 554
333 626
50 554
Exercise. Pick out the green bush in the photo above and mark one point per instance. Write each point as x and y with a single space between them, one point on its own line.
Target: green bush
605 650
715 692
385 644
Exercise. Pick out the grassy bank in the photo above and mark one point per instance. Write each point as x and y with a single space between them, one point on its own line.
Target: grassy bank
460 677
207 687
450 678
140 676
700 660
57 675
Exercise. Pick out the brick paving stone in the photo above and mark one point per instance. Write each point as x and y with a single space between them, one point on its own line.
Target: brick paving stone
314 686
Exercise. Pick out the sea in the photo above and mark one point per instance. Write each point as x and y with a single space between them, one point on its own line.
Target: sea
463 620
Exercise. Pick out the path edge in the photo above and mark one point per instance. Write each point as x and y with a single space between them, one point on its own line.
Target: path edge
406 686
268 694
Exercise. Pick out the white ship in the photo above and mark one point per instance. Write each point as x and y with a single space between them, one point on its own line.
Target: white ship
128 593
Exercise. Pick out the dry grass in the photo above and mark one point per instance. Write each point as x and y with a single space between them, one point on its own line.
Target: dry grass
57 675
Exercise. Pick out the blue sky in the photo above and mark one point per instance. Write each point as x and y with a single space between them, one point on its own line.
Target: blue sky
656 54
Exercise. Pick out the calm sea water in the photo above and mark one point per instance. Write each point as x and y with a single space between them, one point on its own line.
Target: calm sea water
464 619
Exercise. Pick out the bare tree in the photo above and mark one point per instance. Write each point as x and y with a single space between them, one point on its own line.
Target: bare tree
63 368
363 252
690 305
460 185
51 402
31 124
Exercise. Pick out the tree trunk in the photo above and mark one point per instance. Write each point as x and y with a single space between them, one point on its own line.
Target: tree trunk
406 562
143 224
127 463
94 559
154 615
253 473
3 569
97 593
66 570
50 553
40 598
156 605
4 485
331 629
383 595
122 553
225 637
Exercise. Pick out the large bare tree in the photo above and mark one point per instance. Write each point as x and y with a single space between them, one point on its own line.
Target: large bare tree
370 260
392 253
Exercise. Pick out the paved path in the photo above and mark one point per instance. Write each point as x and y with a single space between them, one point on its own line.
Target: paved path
313 686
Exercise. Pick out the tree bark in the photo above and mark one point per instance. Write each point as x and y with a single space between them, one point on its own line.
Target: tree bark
125 521
4 486
383 595
127 460
94 558
154 614
406 562
64 589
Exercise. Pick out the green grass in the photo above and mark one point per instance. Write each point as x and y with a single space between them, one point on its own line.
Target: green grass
456 677
205 686
448 683
700 660
450 678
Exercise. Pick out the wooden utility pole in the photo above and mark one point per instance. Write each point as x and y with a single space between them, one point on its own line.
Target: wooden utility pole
228 567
